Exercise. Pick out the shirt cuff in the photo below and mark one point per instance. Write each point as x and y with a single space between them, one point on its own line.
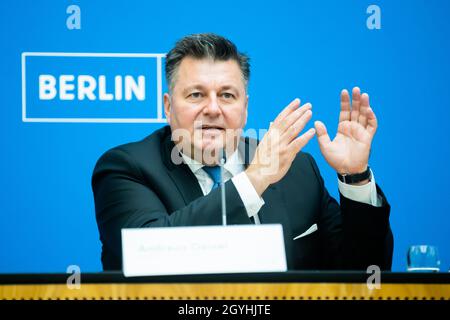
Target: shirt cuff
252 201
366 193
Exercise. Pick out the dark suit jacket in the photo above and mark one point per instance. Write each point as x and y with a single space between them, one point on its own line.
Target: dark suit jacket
137 185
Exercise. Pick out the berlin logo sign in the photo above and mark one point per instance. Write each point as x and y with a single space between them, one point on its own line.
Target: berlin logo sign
92 87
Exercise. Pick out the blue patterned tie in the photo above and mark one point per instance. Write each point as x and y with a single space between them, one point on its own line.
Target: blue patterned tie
214 173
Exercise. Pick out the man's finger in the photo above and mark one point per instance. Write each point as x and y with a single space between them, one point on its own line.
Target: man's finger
322 136
295 128
345 106
300 142
372 122
362 119
292 106
293 117
356 103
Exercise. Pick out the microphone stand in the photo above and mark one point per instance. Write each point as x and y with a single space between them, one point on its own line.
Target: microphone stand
222 184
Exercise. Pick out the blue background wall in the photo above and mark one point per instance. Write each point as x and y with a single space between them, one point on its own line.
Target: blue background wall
306 49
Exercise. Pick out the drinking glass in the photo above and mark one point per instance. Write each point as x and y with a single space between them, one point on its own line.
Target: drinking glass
423 258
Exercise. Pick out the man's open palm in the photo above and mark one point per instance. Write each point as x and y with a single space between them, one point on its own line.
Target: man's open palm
349 151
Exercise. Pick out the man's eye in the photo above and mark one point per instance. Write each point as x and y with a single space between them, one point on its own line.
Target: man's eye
195 95
227 95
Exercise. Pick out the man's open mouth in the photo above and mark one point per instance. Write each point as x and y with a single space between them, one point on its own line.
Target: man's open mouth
211 128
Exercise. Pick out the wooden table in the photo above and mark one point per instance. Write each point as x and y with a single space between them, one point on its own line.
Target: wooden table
267 286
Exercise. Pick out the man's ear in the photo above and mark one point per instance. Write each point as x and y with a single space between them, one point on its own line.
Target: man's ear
167 106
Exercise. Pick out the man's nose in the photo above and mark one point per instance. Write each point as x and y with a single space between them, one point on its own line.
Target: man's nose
212 107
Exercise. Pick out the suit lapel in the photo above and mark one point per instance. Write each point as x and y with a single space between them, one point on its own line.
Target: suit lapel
181 175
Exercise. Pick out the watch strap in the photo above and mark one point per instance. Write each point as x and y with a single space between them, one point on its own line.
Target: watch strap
354 178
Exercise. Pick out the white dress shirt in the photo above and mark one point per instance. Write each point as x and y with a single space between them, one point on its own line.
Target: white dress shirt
234 170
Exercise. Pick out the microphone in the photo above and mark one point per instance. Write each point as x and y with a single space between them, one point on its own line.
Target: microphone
222 160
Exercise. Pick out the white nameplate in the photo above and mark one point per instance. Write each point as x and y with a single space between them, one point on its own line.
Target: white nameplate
206 249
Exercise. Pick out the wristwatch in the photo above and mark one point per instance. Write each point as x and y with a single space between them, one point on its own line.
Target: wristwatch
354 178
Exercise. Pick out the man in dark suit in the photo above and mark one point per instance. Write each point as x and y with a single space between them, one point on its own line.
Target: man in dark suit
171 177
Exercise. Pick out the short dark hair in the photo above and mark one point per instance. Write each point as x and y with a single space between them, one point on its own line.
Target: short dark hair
205 45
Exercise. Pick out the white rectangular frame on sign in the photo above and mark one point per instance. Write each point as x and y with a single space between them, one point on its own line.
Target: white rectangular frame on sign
158 56
203 250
